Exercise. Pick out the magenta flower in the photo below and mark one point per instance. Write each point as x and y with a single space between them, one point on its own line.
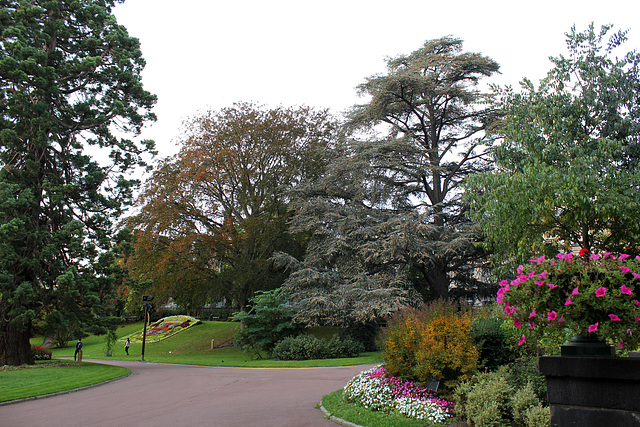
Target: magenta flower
637 318
522 340
517 322
543 275
594 327
636 276
532 314
622 257
552 315
539 282
626 290
614 318
594 257
551 285
625 269
601 291
568 301
520 269
575 291
621 344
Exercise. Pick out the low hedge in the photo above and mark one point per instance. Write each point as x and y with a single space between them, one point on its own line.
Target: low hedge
307 347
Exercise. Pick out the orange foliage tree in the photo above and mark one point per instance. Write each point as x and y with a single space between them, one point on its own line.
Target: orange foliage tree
210 217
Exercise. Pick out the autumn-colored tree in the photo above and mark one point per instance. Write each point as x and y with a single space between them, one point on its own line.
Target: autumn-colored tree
211 216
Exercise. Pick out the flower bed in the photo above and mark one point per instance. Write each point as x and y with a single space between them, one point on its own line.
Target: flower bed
40 353
163 328
376 390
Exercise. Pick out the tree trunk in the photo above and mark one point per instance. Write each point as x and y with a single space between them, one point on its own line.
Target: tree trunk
15 348
439 282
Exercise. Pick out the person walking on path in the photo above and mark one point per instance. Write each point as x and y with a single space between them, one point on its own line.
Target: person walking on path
78 348
126 346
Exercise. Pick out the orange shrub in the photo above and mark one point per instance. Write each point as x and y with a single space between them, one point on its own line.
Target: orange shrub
432 343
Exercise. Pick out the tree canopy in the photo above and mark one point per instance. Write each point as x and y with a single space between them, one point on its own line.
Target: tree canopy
69 86
388 218
211 216
567 158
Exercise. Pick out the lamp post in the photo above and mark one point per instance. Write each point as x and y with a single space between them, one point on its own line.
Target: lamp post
146 304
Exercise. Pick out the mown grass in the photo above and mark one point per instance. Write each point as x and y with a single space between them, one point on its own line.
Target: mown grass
51 376
193 347
357 414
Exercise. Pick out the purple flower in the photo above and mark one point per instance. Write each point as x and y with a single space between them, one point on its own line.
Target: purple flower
594 327
568 301
575 291
552 315
522 340
614 318
625 269
532 314
626 290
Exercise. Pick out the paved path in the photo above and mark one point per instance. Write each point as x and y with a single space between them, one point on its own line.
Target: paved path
181 395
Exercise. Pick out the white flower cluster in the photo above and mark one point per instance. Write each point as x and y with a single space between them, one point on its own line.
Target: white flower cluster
375 394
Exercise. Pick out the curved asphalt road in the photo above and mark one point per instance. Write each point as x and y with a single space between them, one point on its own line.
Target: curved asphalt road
182 395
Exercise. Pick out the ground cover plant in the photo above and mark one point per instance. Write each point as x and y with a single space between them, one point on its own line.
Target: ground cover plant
52 376
375 389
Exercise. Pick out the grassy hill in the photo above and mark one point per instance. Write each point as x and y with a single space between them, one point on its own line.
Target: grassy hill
193 347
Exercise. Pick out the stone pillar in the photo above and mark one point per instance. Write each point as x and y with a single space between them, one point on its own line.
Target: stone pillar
592 391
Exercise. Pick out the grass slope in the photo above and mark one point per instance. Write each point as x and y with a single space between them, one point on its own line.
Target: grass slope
193 347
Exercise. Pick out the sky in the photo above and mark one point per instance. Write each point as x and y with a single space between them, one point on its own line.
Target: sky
208 54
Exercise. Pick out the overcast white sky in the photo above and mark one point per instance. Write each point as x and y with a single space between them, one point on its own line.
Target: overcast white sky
209 53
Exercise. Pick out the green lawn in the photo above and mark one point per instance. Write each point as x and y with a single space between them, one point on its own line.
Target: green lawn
193 347
360 415
53 376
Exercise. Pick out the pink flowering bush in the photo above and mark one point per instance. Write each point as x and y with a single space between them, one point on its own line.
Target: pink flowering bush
576 294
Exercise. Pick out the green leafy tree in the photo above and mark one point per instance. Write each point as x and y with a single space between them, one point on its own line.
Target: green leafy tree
212 215
388 217
268 321
69 77
567 161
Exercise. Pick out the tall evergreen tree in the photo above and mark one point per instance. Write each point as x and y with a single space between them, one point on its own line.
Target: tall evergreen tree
70 86
389 218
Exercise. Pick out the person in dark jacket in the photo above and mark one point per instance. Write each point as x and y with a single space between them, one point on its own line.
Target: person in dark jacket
78 348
